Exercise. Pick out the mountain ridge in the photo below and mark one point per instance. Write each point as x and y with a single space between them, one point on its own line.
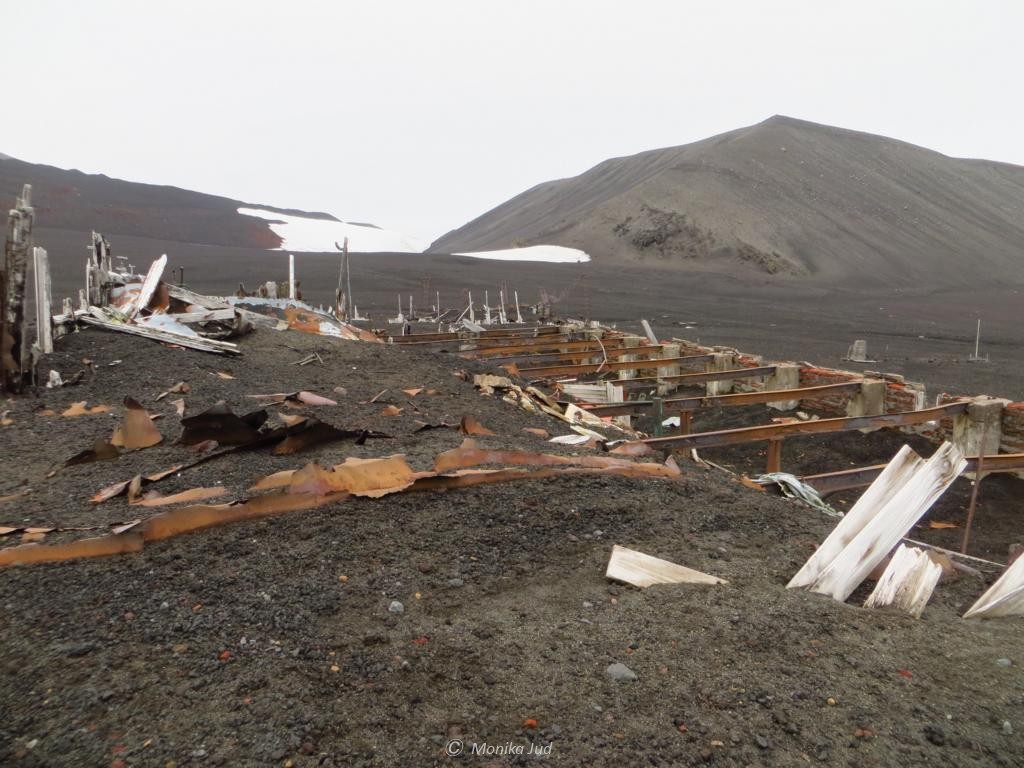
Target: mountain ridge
784 196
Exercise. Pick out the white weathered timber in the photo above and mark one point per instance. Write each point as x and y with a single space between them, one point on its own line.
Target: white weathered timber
101 319
196 299
149 286
649 332
291 276
890 523
640 570
44 298
907 582
202 317
896 473
1004 598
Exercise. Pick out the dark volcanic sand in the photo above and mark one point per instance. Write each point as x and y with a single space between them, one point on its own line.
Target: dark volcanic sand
118 659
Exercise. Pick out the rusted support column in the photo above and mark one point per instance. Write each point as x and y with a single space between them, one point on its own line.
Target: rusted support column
685 418
774 455
15 357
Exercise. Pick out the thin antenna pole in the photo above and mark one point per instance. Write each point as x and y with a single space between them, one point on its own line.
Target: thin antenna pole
977 338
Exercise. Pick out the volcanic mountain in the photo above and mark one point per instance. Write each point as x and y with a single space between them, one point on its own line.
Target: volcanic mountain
69 200
784 197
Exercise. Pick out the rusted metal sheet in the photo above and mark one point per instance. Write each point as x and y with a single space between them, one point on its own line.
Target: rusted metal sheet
302 317
641 407
772 431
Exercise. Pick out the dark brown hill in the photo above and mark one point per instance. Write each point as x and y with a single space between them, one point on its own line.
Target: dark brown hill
784 197
72 200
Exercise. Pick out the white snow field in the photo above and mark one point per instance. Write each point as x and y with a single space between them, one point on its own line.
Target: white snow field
555 254
302 234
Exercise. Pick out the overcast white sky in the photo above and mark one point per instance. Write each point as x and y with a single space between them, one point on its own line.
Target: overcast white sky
419 116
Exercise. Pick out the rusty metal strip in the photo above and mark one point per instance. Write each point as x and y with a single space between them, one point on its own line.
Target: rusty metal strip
772 431
557 357
552 345
616 365
640 407
861 477
700 378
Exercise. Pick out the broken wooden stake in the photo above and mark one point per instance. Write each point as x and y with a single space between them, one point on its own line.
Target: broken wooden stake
907 582
879 519
1004 598
642 570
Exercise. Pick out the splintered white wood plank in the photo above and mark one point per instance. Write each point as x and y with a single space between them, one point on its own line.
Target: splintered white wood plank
642 570
878 494
869 547
907 582
156 271
1004 598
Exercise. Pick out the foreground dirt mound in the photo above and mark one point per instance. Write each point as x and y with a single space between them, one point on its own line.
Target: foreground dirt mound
784 196
277 643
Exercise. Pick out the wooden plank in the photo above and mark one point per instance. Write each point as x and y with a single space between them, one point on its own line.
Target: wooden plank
552 357
895 474
889 524
149 285
907 582
557 344
44 298
1004 598
640 570
155 334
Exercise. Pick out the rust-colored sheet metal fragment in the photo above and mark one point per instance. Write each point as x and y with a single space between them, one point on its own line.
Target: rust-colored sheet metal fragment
191 495
359 477
469 454
101 546
80 409
470 426
101 451
220 423
137 429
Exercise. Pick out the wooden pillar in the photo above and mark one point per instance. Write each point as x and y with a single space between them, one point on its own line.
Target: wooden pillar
44 313
15 357
774 455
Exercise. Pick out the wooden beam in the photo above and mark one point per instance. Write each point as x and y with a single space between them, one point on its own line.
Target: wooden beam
819 426
44 298
774 455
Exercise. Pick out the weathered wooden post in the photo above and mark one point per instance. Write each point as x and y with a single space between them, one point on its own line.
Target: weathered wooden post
44 297
14 352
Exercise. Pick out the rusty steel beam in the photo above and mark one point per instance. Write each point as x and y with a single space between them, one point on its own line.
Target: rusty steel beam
555 357
819 426
700 378
674 405
619 365
861 477
553 346
511 334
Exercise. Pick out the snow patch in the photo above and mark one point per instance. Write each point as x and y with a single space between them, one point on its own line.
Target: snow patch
301 234
555 254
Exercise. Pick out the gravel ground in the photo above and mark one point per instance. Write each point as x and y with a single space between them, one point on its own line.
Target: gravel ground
271 643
